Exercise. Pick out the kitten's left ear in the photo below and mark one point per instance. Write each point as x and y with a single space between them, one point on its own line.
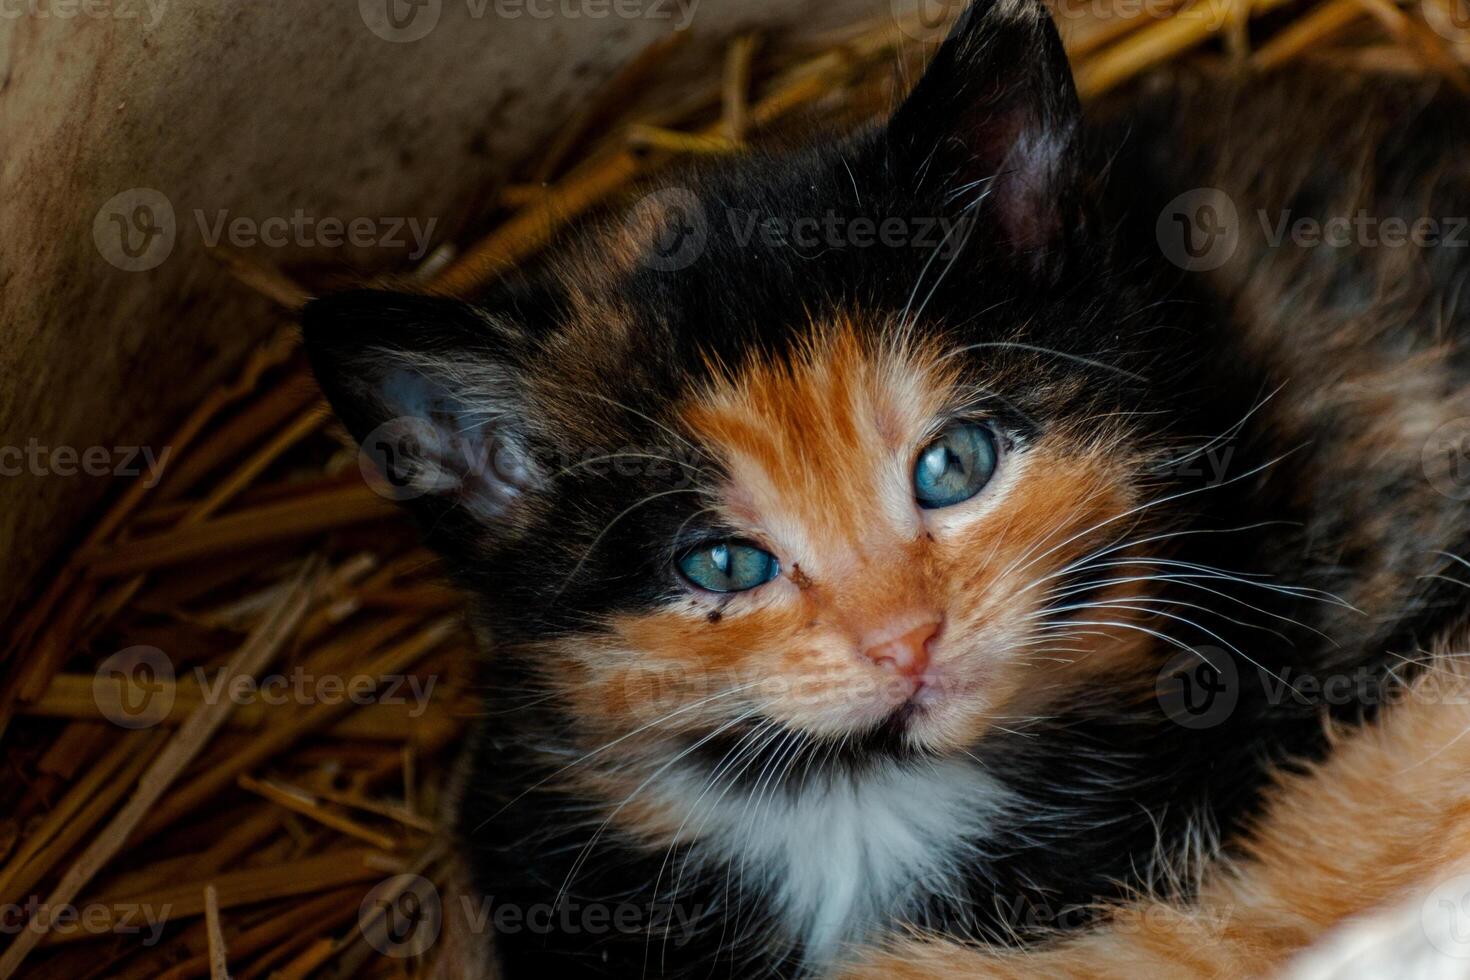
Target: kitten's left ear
996 113
432 389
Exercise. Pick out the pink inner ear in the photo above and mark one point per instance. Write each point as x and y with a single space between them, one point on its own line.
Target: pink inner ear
1026 194
998 107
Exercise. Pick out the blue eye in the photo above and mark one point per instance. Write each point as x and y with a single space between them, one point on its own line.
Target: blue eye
729 567
955 466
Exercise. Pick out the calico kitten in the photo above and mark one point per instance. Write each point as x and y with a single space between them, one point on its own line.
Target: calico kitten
835 587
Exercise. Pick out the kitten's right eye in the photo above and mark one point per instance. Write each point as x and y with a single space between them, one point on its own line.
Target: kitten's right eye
954 467
729 566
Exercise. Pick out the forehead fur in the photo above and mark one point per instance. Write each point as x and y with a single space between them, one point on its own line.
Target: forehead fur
813 432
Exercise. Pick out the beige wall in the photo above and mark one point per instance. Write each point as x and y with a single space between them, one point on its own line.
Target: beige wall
257 108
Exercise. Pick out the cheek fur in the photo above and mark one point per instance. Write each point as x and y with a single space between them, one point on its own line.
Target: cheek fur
785 658
1003 569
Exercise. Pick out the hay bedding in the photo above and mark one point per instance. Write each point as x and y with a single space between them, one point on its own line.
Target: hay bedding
263 833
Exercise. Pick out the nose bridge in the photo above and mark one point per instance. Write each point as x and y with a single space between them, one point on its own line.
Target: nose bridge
885 592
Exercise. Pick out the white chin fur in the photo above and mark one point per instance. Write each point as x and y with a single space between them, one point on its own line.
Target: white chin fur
847 854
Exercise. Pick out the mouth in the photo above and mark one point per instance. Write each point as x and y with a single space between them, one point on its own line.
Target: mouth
754 750
893 736
903 719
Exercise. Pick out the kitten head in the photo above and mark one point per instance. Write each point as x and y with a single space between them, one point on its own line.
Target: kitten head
847 467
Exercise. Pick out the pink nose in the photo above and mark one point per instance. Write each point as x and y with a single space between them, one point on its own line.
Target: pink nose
906 654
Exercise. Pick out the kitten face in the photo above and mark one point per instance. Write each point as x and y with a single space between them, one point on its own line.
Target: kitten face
599 424
816 466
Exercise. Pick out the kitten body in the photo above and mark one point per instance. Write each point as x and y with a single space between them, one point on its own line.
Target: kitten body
1211 478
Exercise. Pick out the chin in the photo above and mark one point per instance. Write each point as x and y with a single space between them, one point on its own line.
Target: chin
932 726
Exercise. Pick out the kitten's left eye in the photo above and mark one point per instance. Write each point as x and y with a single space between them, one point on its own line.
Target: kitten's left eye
954 467
729 566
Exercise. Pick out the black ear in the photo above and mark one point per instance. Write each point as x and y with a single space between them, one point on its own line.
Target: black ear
996 114
431 389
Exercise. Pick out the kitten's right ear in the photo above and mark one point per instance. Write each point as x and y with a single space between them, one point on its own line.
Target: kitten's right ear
432 390
995 116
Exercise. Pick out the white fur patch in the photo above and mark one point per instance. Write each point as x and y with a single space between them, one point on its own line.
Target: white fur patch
1424 938
844 857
